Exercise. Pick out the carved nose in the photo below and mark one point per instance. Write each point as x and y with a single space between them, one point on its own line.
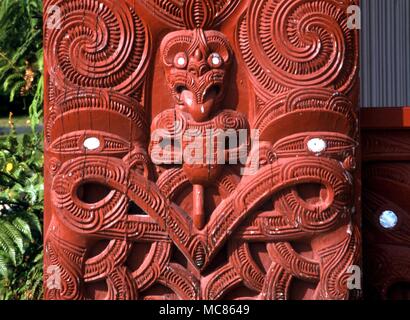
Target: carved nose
198 56
198 70
198 65
193 70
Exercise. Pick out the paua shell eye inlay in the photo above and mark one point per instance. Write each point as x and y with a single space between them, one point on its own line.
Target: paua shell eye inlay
91 143
316 145
388 219
202 149
181 60
215 60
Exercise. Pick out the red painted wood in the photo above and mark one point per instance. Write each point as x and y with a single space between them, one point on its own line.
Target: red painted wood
120 224
388 118
386 172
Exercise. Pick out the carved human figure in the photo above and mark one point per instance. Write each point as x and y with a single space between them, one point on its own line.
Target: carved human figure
286 229
197 67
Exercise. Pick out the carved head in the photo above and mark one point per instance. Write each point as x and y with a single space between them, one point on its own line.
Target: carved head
196 65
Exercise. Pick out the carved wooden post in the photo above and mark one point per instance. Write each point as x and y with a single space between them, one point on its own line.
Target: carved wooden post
136 88
386 205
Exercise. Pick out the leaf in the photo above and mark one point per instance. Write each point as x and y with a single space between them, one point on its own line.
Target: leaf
16 88
7 245
13 78
14 234
39 258
23 227
22 187
3 265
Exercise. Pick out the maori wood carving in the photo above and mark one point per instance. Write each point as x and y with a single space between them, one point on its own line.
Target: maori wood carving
133 212
386 171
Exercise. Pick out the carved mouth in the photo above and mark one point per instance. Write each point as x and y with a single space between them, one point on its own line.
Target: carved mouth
212 92
179 88
190 102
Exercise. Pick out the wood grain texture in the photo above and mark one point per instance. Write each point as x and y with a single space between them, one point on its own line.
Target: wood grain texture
125 75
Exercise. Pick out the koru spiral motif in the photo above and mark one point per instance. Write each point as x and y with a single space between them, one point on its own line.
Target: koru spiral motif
133 211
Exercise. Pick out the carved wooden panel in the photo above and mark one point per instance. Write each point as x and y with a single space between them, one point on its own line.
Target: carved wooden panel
134 212
386 203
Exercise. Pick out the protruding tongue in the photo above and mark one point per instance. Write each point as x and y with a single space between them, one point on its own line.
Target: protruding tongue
199 111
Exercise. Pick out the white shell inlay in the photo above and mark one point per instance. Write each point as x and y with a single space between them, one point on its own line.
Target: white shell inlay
216 59
91 143
181 61
388 219
316 145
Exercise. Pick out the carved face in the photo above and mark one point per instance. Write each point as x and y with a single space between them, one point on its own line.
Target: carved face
196 64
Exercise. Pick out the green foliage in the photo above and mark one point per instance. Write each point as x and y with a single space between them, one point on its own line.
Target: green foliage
21 207
21 53
21 156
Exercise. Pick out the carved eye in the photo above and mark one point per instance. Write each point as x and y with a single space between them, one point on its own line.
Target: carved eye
316 145
78 142
215 60
91 143
180 60
388 219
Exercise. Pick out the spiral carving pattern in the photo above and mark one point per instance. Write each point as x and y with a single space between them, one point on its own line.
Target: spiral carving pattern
298 44
280 224
101 44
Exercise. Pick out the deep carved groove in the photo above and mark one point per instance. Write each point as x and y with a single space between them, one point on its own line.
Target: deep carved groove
130 216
